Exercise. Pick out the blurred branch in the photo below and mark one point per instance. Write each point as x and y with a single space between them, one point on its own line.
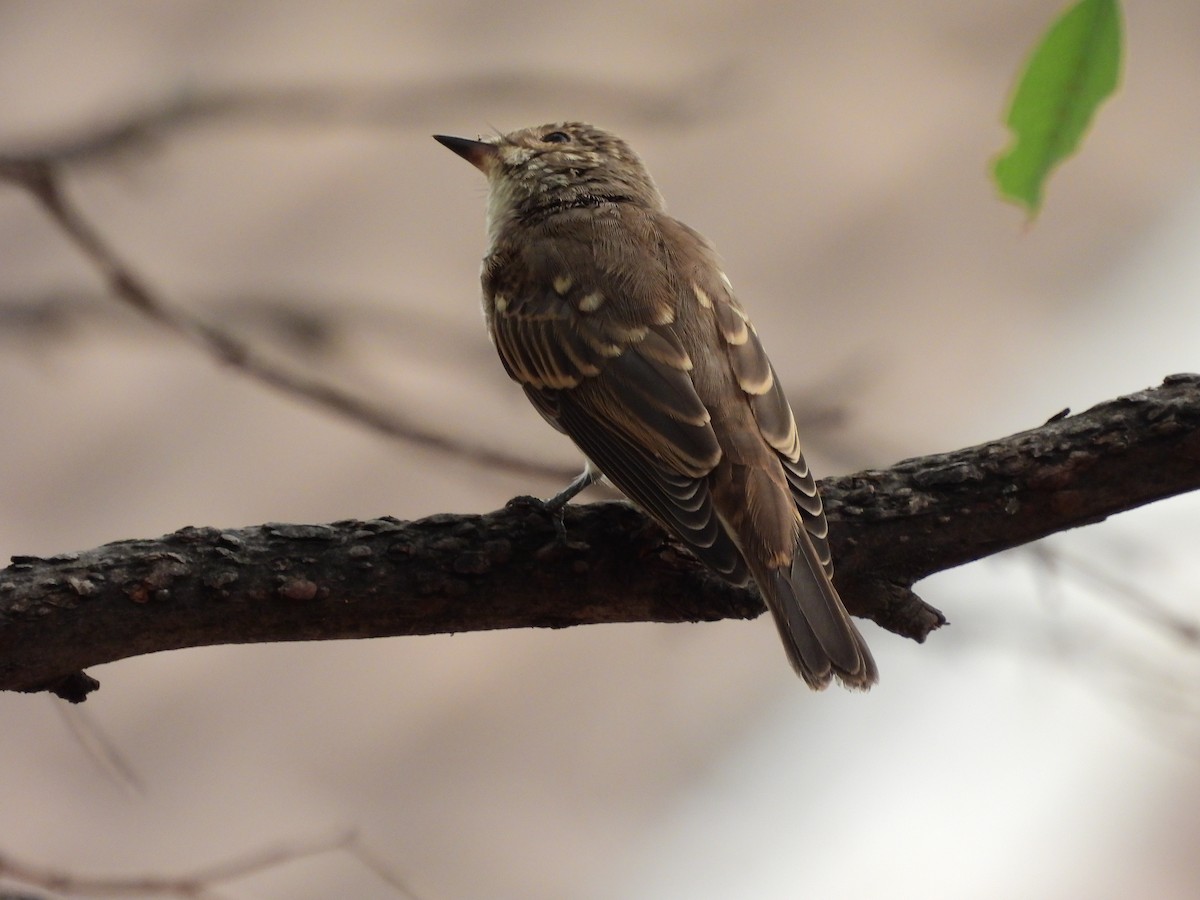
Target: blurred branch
42 180
1128 596
312 325
700 96
203 883
508 569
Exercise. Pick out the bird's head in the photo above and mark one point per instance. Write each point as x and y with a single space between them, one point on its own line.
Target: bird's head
557 166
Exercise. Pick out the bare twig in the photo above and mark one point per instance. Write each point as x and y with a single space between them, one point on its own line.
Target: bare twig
1130 598
202 883
700 96
100 749
309 324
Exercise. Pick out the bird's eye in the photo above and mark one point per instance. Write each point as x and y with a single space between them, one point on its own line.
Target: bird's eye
556 137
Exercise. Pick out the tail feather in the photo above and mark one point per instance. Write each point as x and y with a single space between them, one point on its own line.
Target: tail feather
786 552
821 641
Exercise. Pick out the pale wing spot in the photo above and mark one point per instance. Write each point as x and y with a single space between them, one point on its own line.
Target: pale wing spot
757 388
738 335
562 284
741 312
633 335
665 352
560 381
500 303
702 298
604 348
665 315
734 325
591 302
586 367
725 280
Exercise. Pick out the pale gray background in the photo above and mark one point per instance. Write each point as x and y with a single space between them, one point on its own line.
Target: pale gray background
1045 746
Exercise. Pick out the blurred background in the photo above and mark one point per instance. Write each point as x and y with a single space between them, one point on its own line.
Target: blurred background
1045 745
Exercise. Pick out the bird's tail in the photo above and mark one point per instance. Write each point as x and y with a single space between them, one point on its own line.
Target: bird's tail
821 640
783 543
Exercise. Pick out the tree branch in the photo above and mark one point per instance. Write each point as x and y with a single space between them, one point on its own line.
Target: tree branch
701 96
507 569
203 883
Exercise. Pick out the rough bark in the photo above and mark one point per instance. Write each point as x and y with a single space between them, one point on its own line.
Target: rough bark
509 568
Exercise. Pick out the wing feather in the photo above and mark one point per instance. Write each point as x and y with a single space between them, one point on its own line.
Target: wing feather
684 505
772 413
598 357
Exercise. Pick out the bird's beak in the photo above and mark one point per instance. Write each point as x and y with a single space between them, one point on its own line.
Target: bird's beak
480 154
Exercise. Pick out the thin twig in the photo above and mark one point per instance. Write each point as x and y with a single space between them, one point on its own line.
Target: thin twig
203 882
100 749
1134 600
701 96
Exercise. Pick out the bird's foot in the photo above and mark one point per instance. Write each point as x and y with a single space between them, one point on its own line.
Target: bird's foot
556 507
559 501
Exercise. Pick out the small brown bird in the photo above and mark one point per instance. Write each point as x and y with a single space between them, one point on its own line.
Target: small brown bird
624 332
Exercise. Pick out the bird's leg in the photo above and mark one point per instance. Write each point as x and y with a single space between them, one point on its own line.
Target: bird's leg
556 506
586 479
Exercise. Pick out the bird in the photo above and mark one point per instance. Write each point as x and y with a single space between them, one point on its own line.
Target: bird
624 332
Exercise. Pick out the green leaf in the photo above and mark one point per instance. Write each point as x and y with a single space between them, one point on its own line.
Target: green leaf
1074 69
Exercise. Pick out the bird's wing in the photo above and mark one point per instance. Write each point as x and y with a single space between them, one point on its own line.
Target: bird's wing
756 376
598 358
821 640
